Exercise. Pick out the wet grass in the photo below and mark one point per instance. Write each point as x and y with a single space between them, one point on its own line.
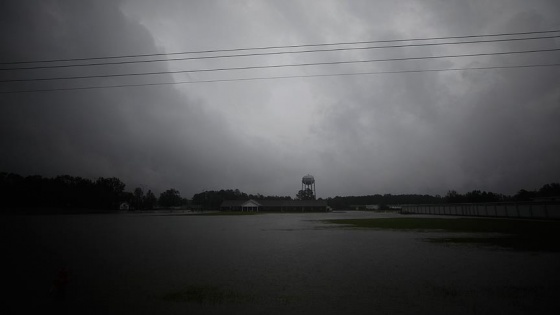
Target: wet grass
530 235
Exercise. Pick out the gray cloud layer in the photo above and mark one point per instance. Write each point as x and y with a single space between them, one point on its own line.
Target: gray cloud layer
415 133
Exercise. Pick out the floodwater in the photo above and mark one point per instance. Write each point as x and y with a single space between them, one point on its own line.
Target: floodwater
261 264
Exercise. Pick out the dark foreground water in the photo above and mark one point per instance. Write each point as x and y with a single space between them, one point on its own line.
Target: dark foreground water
262 264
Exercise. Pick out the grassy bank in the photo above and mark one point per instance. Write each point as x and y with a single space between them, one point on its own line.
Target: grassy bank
516 234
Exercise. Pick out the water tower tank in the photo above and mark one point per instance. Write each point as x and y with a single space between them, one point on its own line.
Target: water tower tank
308 180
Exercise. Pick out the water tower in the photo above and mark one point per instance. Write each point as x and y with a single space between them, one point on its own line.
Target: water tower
308 182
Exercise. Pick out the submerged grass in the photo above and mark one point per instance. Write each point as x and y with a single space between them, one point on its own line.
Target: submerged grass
203 294
532 235
215 295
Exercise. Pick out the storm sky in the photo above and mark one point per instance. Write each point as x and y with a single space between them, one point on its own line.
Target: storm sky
424 133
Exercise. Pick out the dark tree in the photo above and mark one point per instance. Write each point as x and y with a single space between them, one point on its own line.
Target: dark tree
127 197
170 198
305 194
63 193
454 197
109 191
549 190
524 195
138 198
482 196
150 200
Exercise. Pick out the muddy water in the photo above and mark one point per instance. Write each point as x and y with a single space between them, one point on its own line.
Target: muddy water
271 263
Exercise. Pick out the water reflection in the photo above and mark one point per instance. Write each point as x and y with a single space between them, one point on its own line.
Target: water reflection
274 263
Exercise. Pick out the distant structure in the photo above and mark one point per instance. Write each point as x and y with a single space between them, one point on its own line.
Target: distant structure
270 205
304 202
308 182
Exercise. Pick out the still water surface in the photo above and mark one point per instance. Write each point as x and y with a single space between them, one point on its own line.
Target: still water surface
262 264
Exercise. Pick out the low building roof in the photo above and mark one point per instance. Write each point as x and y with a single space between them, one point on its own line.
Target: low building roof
251 203
276 203
232 203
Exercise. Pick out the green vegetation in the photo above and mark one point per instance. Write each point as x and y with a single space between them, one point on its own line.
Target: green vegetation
529 235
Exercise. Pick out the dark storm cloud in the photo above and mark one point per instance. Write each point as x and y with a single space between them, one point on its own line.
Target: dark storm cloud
419 133
429 132
156 137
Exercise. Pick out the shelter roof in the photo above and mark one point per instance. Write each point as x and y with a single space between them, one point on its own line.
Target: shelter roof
275 203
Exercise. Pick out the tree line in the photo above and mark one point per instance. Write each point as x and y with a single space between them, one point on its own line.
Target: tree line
59 192
67 193
213 199
452 196
383 201
77 193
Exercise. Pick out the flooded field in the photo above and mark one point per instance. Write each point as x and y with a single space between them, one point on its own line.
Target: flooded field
267 263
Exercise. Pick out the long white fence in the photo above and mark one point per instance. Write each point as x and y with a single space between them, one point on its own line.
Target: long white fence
508 210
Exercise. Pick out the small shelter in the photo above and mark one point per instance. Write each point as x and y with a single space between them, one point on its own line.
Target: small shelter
275 205
240 205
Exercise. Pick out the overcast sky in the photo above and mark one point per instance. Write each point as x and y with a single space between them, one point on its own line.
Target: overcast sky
424 133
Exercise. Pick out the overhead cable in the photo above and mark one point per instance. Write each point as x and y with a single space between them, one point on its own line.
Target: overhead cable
278 66
278 47
272 53
276 77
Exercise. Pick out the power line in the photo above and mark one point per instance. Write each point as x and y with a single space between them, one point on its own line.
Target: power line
275 53
277 47
278 66
278 77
